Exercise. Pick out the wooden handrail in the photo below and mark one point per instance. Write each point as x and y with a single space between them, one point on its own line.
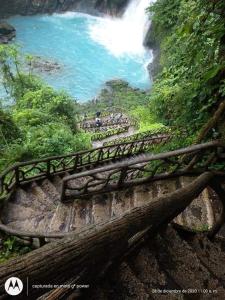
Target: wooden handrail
149 158
107 238
100 135
43 168
134 171
136 136
121 166
92 124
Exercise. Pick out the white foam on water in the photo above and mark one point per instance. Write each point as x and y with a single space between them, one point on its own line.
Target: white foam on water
125 35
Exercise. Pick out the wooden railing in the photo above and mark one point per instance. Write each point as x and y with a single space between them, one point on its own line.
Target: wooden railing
104 113
100 135
198 158
105 128
29 171
188 161
105 123
148 134
136 136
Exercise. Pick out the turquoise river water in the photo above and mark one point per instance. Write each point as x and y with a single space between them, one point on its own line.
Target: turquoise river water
91 50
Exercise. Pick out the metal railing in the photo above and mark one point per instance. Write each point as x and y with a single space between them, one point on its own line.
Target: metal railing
197 159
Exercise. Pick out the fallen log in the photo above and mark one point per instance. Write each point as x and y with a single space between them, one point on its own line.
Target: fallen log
61 293
59 261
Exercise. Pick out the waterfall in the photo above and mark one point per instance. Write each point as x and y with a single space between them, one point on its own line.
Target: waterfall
125 35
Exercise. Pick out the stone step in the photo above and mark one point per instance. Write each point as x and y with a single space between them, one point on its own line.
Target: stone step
127 286
122 202
39 195
146 268
179 260
37 224
21 197
210 254
81 215
71 216
199 214
14 212
43 199
25 225
101 208
57 182
61 218
42 222
144 194
166 262
164 187
50 190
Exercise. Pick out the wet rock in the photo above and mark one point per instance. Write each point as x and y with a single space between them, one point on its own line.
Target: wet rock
32 7
7 33
44 65
114 7
151 41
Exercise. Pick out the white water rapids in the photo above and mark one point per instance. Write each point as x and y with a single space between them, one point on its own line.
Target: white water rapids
124 36
90 50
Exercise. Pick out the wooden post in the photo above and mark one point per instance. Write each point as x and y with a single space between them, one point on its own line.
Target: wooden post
63 191
17 176
123 175
48 172
76 162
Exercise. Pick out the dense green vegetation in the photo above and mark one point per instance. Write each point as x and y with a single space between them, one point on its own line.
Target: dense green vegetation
40 121
186 93
191 85
11 247
117 94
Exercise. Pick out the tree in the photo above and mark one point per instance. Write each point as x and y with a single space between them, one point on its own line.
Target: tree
82 256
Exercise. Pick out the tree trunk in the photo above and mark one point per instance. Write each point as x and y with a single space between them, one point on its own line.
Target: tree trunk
211 123
59 261
217 187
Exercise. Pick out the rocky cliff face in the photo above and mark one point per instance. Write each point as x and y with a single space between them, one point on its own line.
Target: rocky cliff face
151 42
30 7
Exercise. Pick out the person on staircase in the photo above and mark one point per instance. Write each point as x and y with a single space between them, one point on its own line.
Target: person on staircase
98 122
98 114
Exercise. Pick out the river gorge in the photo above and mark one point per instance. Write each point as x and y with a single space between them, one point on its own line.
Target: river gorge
88 49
